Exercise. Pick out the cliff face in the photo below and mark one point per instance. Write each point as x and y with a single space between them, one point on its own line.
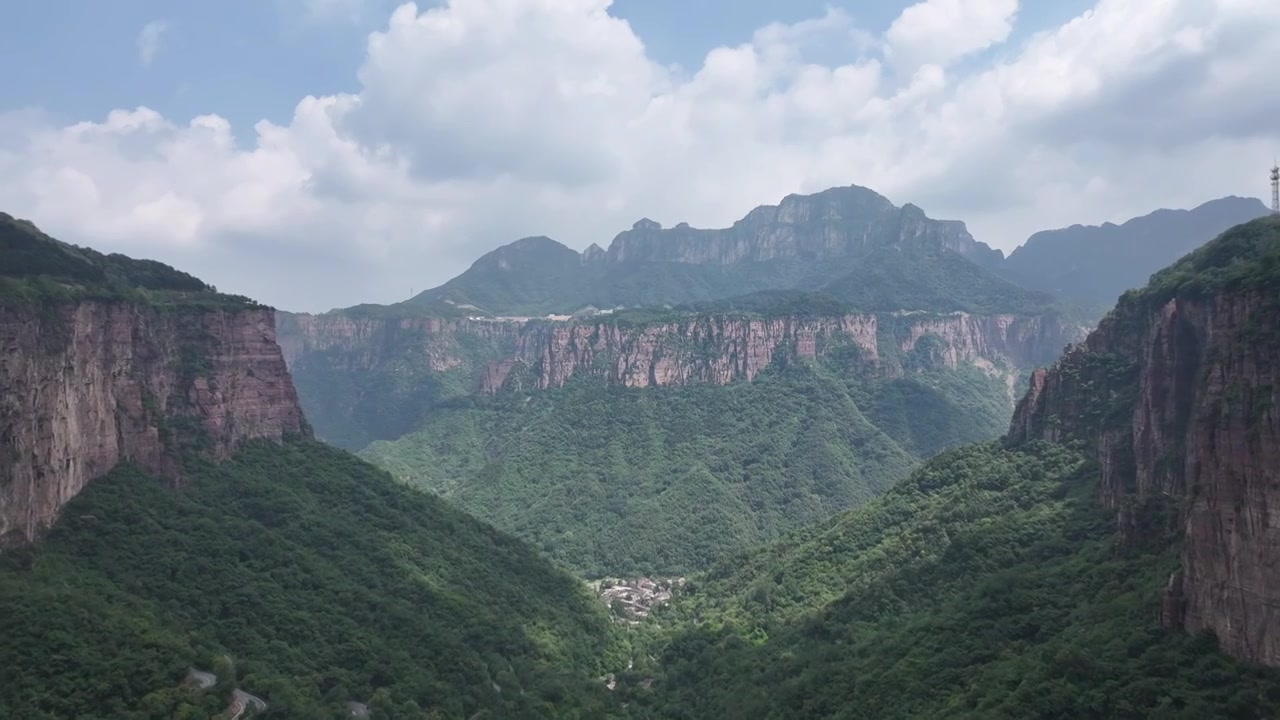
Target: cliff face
84 386
367 378
368 343
1180 400
720 350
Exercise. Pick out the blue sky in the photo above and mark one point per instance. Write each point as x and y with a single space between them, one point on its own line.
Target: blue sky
323 153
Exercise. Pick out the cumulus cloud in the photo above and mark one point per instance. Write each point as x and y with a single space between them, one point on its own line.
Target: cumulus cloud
939 32
480 121
149 40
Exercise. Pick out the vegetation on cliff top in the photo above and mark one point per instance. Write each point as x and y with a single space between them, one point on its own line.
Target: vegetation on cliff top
1245 257
37 268
321 578
987 585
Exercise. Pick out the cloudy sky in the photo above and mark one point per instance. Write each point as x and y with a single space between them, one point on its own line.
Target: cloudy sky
320 153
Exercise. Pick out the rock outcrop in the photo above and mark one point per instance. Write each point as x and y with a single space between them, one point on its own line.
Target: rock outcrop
834 223
1180 401
845 242
84 386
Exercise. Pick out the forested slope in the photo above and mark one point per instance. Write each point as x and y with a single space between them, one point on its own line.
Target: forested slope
318 576
987 585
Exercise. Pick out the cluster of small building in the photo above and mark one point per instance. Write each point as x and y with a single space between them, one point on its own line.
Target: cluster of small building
631 600
589 311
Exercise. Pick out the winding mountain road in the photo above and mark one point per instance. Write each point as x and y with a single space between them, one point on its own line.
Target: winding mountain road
242 701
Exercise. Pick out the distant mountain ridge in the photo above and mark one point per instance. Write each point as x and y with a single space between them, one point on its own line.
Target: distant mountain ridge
850 243
846 241
1091 265
835 223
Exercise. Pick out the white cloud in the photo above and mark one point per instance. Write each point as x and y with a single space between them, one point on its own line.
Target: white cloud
482 121
938 32
149 40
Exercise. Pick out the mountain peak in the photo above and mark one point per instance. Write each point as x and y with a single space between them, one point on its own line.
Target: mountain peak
834 223
799 244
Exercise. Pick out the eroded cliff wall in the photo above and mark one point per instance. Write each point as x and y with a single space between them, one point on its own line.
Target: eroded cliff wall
369 378
87 385
1179 400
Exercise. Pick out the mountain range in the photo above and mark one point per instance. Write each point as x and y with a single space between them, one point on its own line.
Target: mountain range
865 522
850 243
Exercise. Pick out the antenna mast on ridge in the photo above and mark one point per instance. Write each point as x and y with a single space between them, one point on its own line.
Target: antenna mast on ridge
1275 188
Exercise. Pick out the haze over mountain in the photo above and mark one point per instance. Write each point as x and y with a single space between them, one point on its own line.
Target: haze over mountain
849 242
1092 265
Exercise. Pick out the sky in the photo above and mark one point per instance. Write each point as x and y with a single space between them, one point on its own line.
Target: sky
322 153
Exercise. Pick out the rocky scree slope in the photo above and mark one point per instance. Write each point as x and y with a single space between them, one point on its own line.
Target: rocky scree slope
108 359
1178 393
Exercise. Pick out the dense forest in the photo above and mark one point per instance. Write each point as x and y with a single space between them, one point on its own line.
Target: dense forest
986 585
612 480
311 577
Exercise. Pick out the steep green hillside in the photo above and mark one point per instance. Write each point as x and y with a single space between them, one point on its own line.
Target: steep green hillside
1245 258
661 480
322 579
988 585
37 267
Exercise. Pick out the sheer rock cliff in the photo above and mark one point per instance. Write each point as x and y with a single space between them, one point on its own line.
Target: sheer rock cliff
1179 400
84 386
397 362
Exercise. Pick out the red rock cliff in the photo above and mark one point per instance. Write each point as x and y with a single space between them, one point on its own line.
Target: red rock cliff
1181 402
705 349
85 386
368 377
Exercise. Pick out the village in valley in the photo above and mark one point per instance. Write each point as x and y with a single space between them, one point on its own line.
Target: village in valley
631 600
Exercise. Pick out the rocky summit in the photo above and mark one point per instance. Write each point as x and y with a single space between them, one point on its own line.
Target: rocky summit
829 241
